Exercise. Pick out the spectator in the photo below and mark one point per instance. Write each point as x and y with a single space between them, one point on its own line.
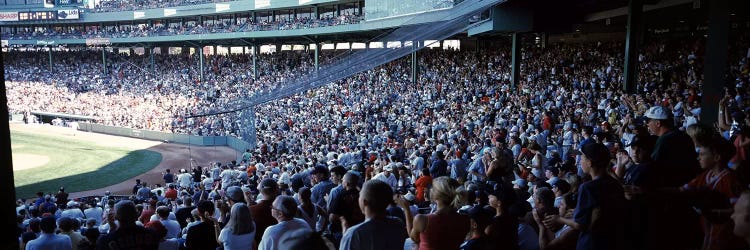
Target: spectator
378 231
125 233
203 234
48 239
239 232
603 196
290 232
445 228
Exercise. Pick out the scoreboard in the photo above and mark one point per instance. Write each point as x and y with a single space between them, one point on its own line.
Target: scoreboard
37 15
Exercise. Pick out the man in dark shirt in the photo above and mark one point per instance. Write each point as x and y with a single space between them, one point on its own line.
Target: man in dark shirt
262 211
127 234
601 202
675 164
183 214
439 166
203 235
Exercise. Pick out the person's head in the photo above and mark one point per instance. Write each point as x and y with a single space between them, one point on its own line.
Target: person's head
269 188
594 158
716 152
350 181
235 195
205 206
337 173
700 133
305 194
501 196
284 208
551 172
481 218
425 172
568 202
375 197
48 224
162 212
66 224
544 198
125 212
444 192
159 230
642 146
240 219
561 187
659 120
319 174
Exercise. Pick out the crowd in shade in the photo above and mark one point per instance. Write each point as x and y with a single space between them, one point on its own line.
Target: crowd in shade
188 28
126 5
460 159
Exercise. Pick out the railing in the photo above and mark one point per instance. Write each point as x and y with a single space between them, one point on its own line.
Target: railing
229 141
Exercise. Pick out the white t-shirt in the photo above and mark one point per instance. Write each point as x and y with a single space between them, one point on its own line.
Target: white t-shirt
231 241
285 235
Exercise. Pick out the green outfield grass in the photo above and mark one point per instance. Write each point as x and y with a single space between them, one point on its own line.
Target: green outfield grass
76 165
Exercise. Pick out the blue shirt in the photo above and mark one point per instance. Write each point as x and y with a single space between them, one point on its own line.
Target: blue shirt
458 168
319 191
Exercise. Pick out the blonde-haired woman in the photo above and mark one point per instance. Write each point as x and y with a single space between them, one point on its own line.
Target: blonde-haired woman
445 228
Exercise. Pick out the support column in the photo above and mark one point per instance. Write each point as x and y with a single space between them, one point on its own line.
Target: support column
255 62
635 13
152 60
200 54
8 186
104 60
716 60
545 39
414 62
317 49
515 71
50 58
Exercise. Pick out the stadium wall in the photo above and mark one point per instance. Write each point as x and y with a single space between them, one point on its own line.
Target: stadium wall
228 141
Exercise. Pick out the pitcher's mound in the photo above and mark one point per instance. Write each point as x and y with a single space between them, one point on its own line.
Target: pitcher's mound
27 161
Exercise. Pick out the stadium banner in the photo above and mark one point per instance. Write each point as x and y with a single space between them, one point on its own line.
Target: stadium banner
97 41
70 2
7 16
67 14
262 3
138 14
37 15
45 42
222 7
170 12
4 43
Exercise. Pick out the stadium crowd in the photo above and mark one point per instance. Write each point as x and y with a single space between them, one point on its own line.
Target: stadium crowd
187 28
459 160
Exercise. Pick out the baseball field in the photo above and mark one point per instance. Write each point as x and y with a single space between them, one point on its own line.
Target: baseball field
46 158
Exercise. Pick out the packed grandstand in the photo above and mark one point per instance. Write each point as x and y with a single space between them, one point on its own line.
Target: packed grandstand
461 158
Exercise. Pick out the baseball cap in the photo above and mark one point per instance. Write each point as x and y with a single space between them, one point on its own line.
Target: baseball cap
480 213
596 152
658 113
388 168
646 142
520 182
269 184
235 194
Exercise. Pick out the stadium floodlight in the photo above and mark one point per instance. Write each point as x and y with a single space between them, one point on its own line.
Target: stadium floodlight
415 30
